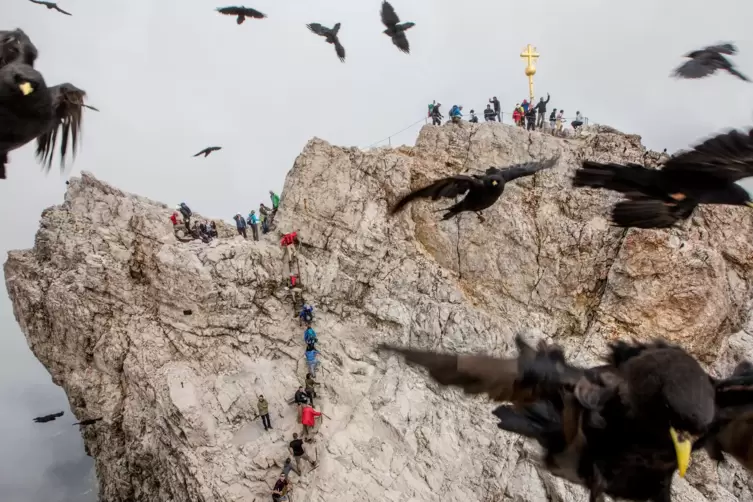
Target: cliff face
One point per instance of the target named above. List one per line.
(101, 300)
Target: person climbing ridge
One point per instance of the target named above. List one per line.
(263, 407)
(309, 336)
(275, 203)
(312, 359)
(310, 391)
(280, 489)
(186, 212)
(296, 448)
(307, 314)
(308, 419)
(300, 399)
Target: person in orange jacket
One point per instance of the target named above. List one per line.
(308, 419)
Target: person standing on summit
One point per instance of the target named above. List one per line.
(541, 109)
(240, 224)
(253, 220)
(275, 202)
(494, 101)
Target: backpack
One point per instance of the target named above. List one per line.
(185, 210)
(453, 110)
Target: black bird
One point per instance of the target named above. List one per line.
(241, 12)
(620, 429)
(483, 190)
(51, 5)
(16, 46)
(89, 421)
(707, 174)
(208, 150)
(330, 36)
(395, 30)
(705, 62)
(49, 418)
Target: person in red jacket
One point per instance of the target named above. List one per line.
(308, 419)
(174, 218)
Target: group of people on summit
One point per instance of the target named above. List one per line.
(524, 115)
(267, 217)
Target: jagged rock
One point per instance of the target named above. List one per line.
(101, 300)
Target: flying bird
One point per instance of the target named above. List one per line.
(241, 12)
(208, 150)
(705, 62)
(49, 418)
(707, 174)
(330, 35)
(89, 421)
(395, 30)
(51, 5)
(620, 429)
(16, 46)
(482, 190)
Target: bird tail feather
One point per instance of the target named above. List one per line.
(644, 213)
(619, 178)
(738, 74)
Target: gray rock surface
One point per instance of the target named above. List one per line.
(101, 298)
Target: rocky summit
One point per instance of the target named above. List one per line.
(171, 342)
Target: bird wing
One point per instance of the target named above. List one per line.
(318, 29)
(389, 16)
(336, 29)
(67, 102)
(231, 11)
(727, 48)
(202, 152)
(340, 50)
(694, 68)
(62, 11)
(38, 2)
(248, 12)
(58, 414)
(446, 187)
(401, 42)
(728, 156)
(527, 169)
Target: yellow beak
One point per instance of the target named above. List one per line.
(683, 448)
(494, 182)
(26, 88)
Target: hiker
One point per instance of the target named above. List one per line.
(431, 108)
(541, 110)
(281, 488)
(212, 229)
(552, 118)
(296, 448)
(287, 467)
(474, 118)
(525, 105)
(531, 118)
(203, 232)
(275, 202)
(489, 114)
(311, 360)
(516, 115)
(308, 419)
(174, 219)
(307, 314)
(497, 108)
(186, 212)
(456, 114)
(288, 241)
(436, 115)
(309, 335)
(310, 391)
(560, 121)
(579, 121)
(263, 407)
(253, 221)
(300, 399)
(264, 212)
(240, 224)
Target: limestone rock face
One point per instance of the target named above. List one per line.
(101, 299)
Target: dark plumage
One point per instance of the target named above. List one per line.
(395, 30)
(208, 150)
(241, 12)
(49, 418)
(705, 62)
(707, 174)
(89, 421)
(483, 190)
(330, 35)
(51, 5)
(16, 46)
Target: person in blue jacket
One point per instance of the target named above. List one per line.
(312, 360)
(253, 220)
(456, 113)
(240, 224)
(307, 314)
(309, 336)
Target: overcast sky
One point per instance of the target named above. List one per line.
(172, 76)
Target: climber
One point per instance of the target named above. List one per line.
(212, 229)
(263, 407)
(525, 104)
(296, 448)
(281, 488)
(240, 224)
(474, 118)
(497, 108)
(579, 122)
(541, 110)
(531, 118)
(287, 467)
(456, 114)
(516, 116)
(186, 212)
(309, 335)
(264, 212)
(436, 115)
(307, 314)
(288, 241)
(300, 399)
(174, 218)
(253, 221)
(560, 122)
(308, 419)
(275, 202)
(431, 108)
(552, 118)
(489, 114)
(310, 391)
(312, 360)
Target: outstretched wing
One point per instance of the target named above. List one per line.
(340, 50)
(206, 150)
(446, 187)
(67, 102)
(727, 48)
(695, 68)
(62, 11)
(248, 12)
(728, 156)
(318, 29)
(231, 11)
(401, 42)
(527, 169)
(389, 16)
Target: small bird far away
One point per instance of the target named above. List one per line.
(51, 5)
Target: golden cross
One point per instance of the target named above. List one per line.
(530, 54)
